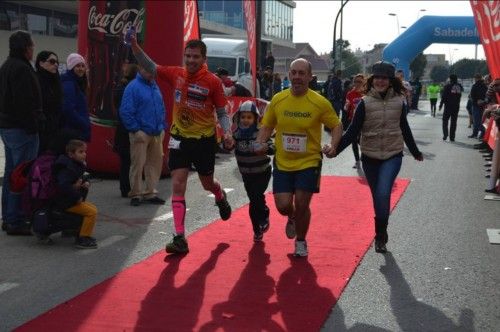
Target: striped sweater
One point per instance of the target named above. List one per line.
(248, 161)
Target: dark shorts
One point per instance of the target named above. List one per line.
(287, 182)
(198, 152)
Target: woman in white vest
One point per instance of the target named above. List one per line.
(380, 118)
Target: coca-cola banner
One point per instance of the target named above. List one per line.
(250, 20)
(487, 16)
(191, 21)
(102, 26)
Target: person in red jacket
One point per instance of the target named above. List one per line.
(353, 98)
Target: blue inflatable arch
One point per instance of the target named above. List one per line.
(426, 31)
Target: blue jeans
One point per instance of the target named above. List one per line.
(381, 175)
(19, 147)
(477, 115)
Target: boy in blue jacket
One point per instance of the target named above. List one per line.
(143, 114)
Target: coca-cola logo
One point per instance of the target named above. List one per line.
(116, 23)
(488, 15)
(189, 19)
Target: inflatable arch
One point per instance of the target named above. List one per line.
(426, 31)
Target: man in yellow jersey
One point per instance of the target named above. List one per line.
(297, 115)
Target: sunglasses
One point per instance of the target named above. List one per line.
(381, 77)
(52, 61)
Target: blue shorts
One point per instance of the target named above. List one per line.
(287, 182)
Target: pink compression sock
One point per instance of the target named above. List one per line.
(218, 192)
(179, 211)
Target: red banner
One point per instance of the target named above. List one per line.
(191, 21)
(250, 19)
(487, 16)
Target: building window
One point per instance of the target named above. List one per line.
(37, 21)
(9, 16)
(65, 25)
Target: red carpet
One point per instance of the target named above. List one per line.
(226, 283)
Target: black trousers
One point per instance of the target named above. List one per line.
(433, 106)
(255, 186)
(124, 172)
(450, 114)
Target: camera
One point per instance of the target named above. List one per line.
(86, 177)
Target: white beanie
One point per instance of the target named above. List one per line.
(73, 60)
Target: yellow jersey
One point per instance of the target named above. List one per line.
(297, 121)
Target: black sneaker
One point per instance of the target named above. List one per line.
(86, 242)
(136, 201)
(258, 236)
(154, 200)
(264, 227)
(380, 247)
(178, 245)
(224, 207)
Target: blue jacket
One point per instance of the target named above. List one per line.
(66, 172)
(75, 115)
(142, 107)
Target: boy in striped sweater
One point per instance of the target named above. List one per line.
(255, 168)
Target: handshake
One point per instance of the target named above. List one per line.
(329, 151)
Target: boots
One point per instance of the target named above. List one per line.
(381, 236)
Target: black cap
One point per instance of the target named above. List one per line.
(382, 68)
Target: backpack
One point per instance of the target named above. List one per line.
(41, 187)
(19, 176)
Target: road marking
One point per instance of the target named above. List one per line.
(493, 235)
(227, 190)
(5, 286)
(492, 197)
(166, 216)
(104, 243)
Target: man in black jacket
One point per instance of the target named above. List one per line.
(452, 92)
(478, 97)
(20, 114)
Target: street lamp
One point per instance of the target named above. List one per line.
(397, 19)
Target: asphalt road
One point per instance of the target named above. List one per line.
(441, 274)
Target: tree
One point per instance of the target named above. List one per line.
(467, 68)
(350, 64)
(417, 66)
(439, 73)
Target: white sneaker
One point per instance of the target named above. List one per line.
(290, 229)
(300, 249)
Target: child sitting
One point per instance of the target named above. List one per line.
(255, 168)
(72, 190)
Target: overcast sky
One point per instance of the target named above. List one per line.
(368, 22)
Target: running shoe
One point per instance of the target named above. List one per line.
(178, 245)
(300, 249)
(224, 207)
(380, 246)
(86, 242)
(257, 237)
(264, 227)
(290, 229)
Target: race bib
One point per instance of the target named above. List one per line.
(174, 143)
(294, 142)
